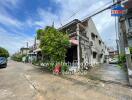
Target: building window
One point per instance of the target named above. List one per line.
(105, 47)
(130, 22)
(94, 55)
(84, 33)
(101, 55)
(93, 36)
(99, 42)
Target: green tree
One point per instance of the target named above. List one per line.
(54, 44)
(4, 52)
(39, 33)
(122, 58)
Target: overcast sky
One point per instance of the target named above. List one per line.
(19, 19)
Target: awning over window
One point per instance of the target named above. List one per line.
(37, 50)
(32, 53)
(73, 41)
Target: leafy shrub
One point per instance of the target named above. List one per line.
(122, 58)
(17, 57)
(34, 62)
(64, 68)
(51, 66)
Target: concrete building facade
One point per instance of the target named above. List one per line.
(99, 50)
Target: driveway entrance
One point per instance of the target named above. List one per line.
(109, 73)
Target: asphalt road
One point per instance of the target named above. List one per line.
(24, 82)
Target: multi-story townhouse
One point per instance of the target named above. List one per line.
(87, 45)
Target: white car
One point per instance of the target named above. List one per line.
(113, 61)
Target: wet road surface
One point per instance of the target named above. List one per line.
(110, 73)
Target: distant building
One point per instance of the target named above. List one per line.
(24, 51)
(35, 52)
(112, 53)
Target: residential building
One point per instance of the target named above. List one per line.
(90, 48)
(87, 46)
(35, 52)
(24, 51)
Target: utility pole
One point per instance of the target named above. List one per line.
(116, 30)
(35, 44)
(126, 46)
(123, 26)
(27, 47)
(78, 46)
(27, 44)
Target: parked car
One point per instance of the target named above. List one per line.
(3, 62)
(113, 61)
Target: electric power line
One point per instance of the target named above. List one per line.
(100, 11)
(109, 7)
(77, 11)
(97, 10)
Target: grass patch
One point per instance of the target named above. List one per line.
(92, 77)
